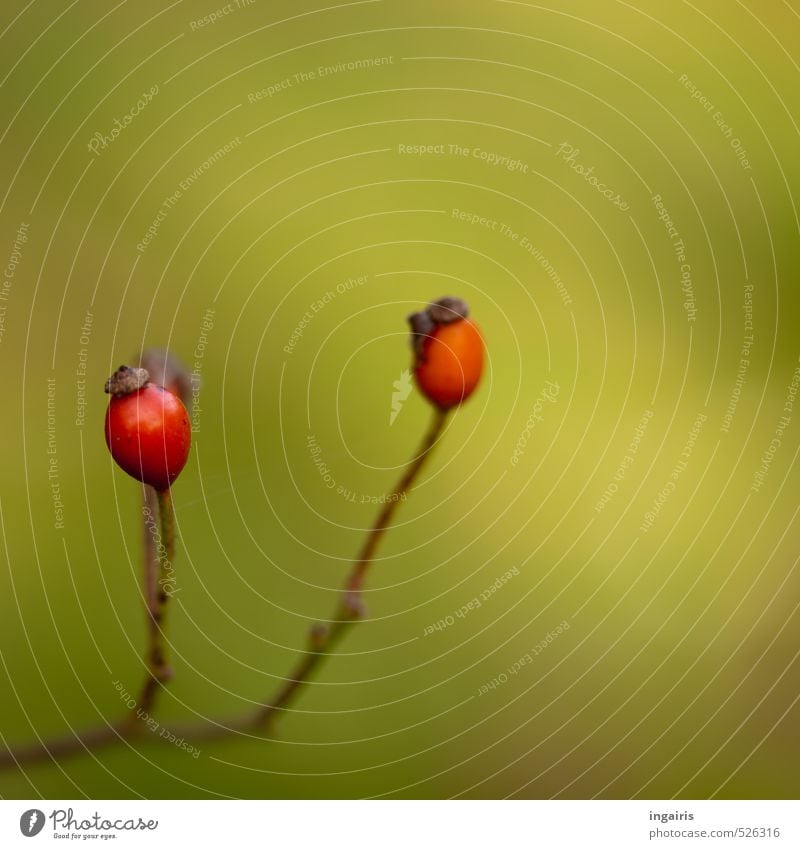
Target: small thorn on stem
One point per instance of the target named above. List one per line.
(164, 674)
(318, 637)
(353, 605)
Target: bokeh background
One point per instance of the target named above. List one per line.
(637, 516)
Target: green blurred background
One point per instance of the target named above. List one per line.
(678, 674)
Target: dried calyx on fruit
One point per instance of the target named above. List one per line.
(448, 352)
(126, 380)
(147, 428)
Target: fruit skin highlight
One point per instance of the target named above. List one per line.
(147, 428)
(448, 352)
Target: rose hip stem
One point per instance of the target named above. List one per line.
(170, 373)
(355, 584)
(448, 361)
(158, 669)
(165, 370)
(322, 637)
(141, 418)
(461, 369)
(158, 672)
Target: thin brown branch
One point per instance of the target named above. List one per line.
(350, 608)
(160, 578)
(165, 369)
(322, 638)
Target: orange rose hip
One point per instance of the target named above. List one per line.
(448, 352)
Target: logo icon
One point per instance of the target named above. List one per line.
(402, 387)
(31, 822)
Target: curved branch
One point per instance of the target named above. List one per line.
(321, 639)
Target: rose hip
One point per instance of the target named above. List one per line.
(448, 352)
(147, 428)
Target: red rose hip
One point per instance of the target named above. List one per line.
(448, 351)
(147, 428)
